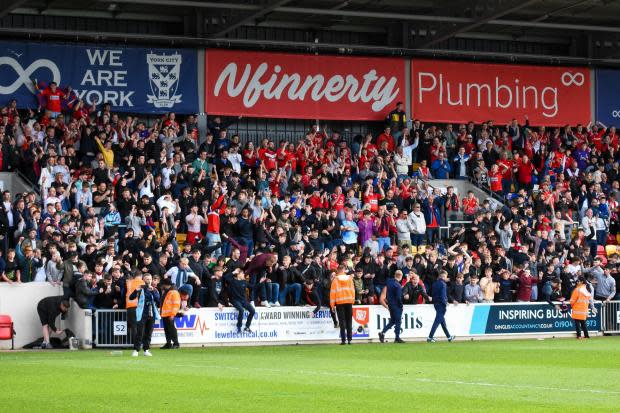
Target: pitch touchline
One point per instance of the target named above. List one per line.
(417, 379)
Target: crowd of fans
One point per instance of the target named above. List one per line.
(117, 197)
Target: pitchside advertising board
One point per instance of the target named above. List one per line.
(298, 324)
(131, 79)
(608, 97)
(278, 85)
(460, 92)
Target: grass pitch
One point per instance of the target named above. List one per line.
(554, 375)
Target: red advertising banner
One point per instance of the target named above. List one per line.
(278, 85)
(459, 92)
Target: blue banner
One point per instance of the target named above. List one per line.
(523, 318)
(136, 80)
(608, 96)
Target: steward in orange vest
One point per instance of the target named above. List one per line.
(342, 296)
(170, 306)
(580, 301)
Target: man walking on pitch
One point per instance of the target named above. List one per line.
(440, 302)
(392, 299)
(146, 315)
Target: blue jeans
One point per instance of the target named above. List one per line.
(271, 292)
(294, 287)
(383, 242)
(241, 306)
(417, 239)
(440, 319)
(248, 242)
(213, 239)
(396, 315)
(378, 288)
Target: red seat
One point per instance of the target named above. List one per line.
(6, 329)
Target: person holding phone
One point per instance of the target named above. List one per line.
(146, 314)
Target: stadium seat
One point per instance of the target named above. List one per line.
(600, 250)
(6, 329)
(421, 249)
(611, 249)
(181, 239)
(414, 250)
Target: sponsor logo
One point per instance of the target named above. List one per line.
(267, 82)
(24, 76)
(187, 322)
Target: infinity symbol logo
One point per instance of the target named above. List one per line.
(23, 75)
(569, 78)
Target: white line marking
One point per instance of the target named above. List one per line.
(407, 377)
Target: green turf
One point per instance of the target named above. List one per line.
(559, 375)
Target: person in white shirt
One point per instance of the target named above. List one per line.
(180, 276)
(166, 201)
(418, 225)
(235, 158)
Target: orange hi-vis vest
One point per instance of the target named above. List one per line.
(132, 286)
(579, 303)
(171, 305)
(342, 291)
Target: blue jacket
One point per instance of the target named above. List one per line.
(394, 293)
(441, 169)
(429, 209)
(440, 293)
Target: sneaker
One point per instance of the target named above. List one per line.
(349, 342)
(175, 347)
(399, 341)
(276, 304)
(166, 347)
(135, 354)
(431, 340)
(451, 339)
(266, 304)
(147, 353)
(382, 337)
(343, 343)
(247, 330)
(45, 345)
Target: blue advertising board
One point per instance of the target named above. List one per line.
(131, 79)
(519, 318)
(608, 96)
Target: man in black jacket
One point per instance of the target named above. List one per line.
(49, 309)
(237, 285)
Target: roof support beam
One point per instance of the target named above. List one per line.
(495, 14)
(8, 6)
(375, 15)
(250, 16)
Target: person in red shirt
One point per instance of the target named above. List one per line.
(495, 179)
(337, 200)
(525, 170)
(53, 99)
(268, 156)
(470, 205)
(250, 156)
(386, 136)
(371, 198)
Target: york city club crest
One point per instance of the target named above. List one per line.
(164, 73)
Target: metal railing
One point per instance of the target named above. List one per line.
(111, 329)
(610, 317)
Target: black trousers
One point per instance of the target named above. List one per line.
(581, 325)
(132, 323)
(143, 335)
(170, 330)
(345, 319)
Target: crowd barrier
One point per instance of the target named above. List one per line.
(210, 326)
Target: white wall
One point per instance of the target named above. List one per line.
(20, 302)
